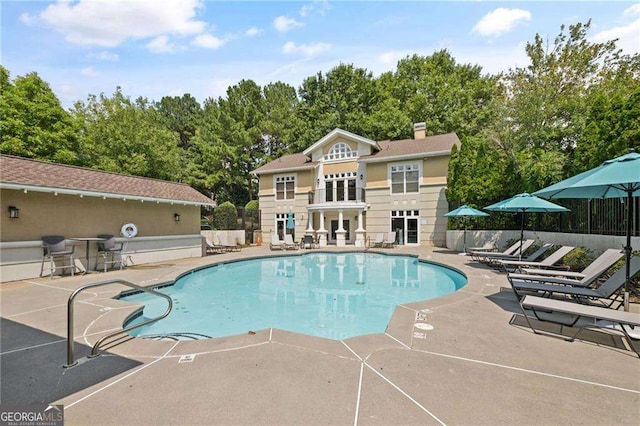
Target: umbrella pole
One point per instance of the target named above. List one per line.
(464, 238)
(627, 251)
(521, 234)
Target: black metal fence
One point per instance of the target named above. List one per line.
(249, 220)
(595, 216)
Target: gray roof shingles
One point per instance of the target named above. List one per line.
(24, 171)
(290, 161)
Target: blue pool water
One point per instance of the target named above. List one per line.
(331, 295)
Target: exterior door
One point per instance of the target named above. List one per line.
(334, 228)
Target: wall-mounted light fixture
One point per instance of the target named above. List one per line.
(361, 177)
(318, 181)
(176, 217)
(14, 212)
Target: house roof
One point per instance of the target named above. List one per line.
(336, 133)
(411, 148)
(388, 151)
(288, 162)
(33, 175)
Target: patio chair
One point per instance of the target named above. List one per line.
(603, 293)
(569, 313)
(276, 243)
(108, 253)
(496, 262)
(213, 248)
(390, 241)
(308, 242)
(598, 266)
(547, 263)
(54, 247)
(288, 242)
(581, 279)
(493, 257)
(480, 254)
(379, 241)
(226, 244)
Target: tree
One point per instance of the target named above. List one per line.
(181, 115)
(448, 96)
(225, 216)
(34, 124)
(209, 156)
(545, 106)
(344, 98)
(123, 136)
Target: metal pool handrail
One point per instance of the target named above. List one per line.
(96, 346)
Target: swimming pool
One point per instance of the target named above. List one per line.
(331, 295)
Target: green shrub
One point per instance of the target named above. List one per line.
(225, 216)
(578, 258)
(251, 208)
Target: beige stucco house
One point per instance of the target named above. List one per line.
(345, 189)
(40, 198)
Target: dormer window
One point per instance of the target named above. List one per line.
(340, 151)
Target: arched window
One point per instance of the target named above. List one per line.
(340, 150)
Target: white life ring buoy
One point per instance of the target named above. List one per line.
(129, 230)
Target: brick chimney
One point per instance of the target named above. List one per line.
(420, 130)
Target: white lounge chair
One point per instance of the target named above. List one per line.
(379, 240)
(276, 243)
(288, 242)
(390, 241)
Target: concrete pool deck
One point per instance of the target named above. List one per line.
(479, 364)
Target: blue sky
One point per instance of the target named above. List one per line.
(155, 48)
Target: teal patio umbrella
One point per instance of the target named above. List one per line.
(617, 178)
(291, 224)
(465, 211)
(525, 203)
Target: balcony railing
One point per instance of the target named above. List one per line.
(337, 195)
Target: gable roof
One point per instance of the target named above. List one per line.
(335, 133)
(288, 162)
(33, 175)
(413, 148)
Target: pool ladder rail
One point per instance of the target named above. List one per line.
(96, 347)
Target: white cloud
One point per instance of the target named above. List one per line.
(105, 56)
(283, 24)
(305, 9)
(161, 44)
(501, 21)
(208, 41)
(253, 31)
(306, 49)
(26, 19)
(628, 34)
(89, 72)
(109, 23)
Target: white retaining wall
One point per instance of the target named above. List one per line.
(597, 243)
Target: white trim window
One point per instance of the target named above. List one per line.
(285, 187)
(405, 178)
(340, 151)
